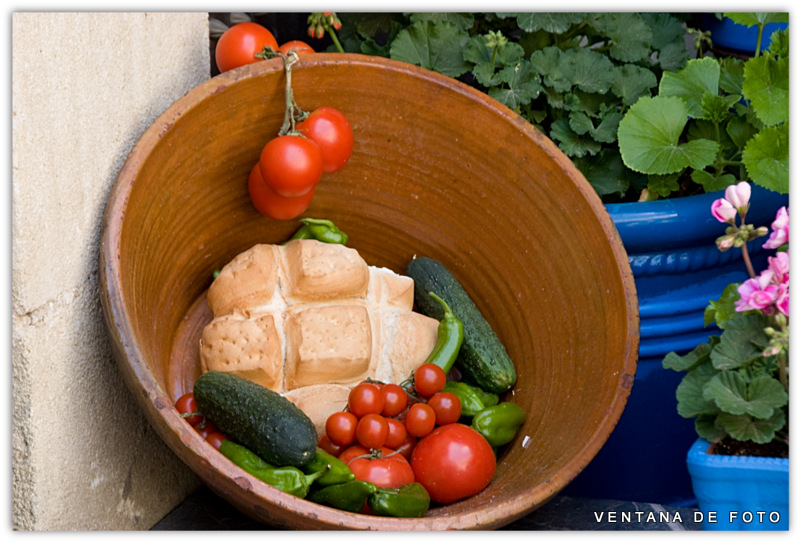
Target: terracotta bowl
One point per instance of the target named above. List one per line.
(438, 169)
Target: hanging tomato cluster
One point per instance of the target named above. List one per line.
(281, 184)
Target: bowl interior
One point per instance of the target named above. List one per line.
(439, 170)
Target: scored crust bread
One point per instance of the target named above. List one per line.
(311, 320)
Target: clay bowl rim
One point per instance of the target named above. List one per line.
(213, 468)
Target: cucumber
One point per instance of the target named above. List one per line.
(258, 418)
(482, 360)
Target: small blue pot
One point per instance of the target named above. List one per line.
(677, 269)
(738, 493)
(737, 37)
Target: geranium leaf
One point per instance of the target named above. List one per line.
(547, 63)
(740, 131)
(665, 29)
(766, 85)
(588, 70)
(629, 34)
(743, 427)
(731, 75)
(606, 172)
(663, 185)
(632, 82)
(463, 21)
(649, 138)
(570, 142)
(736, 347)
(689, 361)
(700, 76)
(689, 392)
(707, 428)
(435, 46)
(766, 157)
(523, 85)
(731, 392)
(723, 309)
(553, 23)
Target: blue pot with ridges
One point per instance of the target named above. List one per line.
(678, 270)
(739, 493)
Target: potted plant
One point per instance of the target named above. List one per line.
(736, 385)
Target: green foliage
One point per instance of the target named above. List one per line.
(731, 388)
(716, 121)
(573, 75)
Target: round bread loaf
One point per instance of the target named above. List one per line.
(310, 320)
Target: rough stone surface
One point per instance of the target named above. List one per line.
(83, 455)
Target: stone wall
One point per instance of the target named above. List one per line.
(85, 86)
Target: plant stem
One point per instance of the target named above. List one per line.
(335, 39)
(293, 112)
(747, 262)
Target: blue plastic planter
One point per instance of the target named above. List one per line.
(737, 493)
(678, 270)
(737, 37)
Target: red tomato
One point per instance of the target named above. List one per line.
(386, 471)
(429, 379)
(215, 439)
(300, 47)
(396, 435)
(420, 420)
(270, 203)
(365, 398)
(372, 431)
(185, 405)
(341, 428)
(446, 406)
(453, 462)
(329, 129)
(239, 44)
(395, 400)
(291, 165)
(206, 428)
(326, 444)
(407, 447)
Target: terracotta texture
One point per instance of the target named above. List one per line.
(438, 169)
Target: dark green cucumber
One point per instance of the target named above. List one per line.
(482, 360)
(257, 418)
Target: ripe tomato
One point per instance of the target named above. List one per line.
(239, 44)
(407, 447)
(215, 439)
(372, 431)
(365, 398)
(385, 471)
(420, 420)
(300, 47)
(329, 129)
(186, 404)
(429, 379)
(341, 428)
(446, 406)
(326, 444)
(270, 203)
(396, 435)
(453, 462)
(206, 428)
(291, 165)
(395, 400)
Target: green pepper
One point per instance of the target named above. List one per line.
(335, 470)
(450, 335)
(289, 479)
(498, 424)
(321, 230)
(408, 501)
(473, 399)
(349, 496)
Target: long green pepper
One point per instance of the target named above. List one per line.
(499, 424)
(408, 501)
(472, 398)
(450, 335)
(289, 479)
(349, 496)
(335, 470)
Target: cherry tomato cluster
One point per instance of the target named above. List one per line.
(243, 42)
(186, 405)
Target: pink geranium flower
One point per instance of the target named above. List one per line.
(739, 196)
(723, 211)
(757, 293)
(780, 229)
